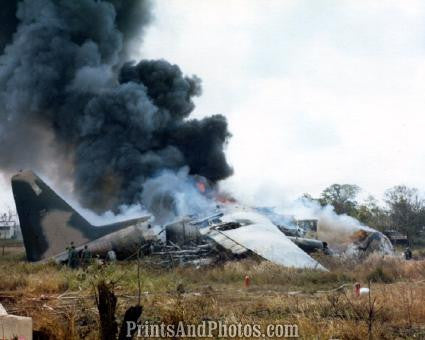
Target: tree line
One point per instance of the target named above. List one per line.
(403, 208)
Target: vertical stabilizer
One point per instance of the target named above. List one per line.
(47, 222)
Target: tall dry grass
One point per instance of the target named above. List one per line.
(61, 301)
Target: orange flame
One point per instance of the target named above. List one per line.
(201, 187)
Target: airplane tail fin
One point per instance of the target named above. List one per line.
(48, 223)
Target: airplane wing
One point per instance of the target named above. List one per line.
(252, 231)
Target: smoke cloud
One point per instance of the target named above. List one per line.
(341, 232)
(171, 194)
(9, 22)
(74, 107)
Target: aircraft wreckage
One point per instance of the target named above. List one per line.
(49, 224)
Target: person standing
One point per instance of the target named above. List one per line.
(408, 254)
(86, 256)
(72, 256)
(69, 250)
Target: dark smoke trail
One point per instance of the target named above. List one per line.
(68, 96)
(8, 21)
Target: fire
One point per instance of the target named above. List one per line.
(201, 187)
(359, 235)
(225, 198)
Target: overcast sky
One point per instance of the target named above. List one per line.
(315, 92)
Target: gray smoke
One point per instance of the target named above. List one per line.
(171, 194)
(72, 104)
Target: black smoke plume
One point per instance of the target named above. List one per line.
(71, 103)
(8, 21)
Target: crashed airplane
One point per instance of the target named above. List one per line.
(49, 224)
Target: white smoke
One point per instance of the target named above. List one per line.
(125, 212)
(172, 194)
(167, 196)
(337, 230)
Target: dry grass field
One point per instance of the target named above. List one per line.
(62, 304)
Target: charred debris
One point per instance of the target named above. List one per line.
(191, 241)
(216, 238)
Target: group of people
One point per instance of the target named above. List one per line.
(76, 258)
(84, 258)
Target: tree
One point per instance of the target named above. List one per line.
(372, 214)
(406, 209)
(342, 197)
(306, 197)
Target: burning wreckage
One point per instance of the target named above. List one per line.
(49, 224)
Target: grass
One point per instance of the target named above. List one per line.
(62, 305)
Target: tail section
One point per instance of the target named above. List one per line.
(47, 222)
